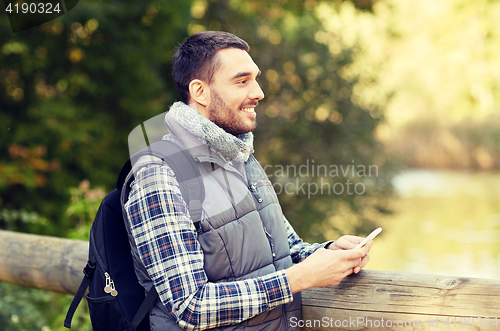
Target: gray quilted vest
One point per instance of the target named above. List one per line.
(243, 235)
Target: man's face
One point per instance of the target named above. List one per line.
(235, 92)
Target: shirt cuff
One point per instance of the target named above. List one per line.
(277, 289)
(326, 244)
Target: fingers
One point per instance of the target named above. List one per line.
(358, 253)
(347, 260)
(362, 263)
(347, 242)
(365, 260)
(354, 263)
(367, 247)
(359, 260)
(348, 272)
(354, 240)
(340, 260)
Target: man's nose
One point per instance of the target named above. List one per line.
(256, 93)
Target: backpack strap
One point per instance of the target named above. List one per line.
(184, 167)
(88, 271)
(145, 307)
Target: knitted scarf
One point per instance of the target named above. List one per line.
(229, 146)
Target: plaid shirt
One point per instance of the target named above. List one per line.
(166, 240)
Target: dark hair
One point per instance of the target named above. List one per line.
(195, 58)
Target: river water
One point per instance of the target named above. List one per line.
(445, 223)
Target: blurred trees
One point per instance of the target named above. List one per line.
(443, 66)
(75, 87)
(446, 54)
(71, 91)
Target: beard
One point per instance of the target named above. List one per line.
(231, 121)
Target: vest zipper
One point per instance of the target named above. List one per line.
(270, 241)
(253, 188)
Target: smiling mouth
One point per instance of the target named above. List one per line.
(249, 110)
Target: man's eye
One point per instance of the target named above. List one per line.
(243, 81)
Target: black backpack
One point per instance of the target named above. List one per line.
(116, 299)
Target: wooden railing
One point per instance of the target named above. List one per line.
(370, 300)
(48, 263)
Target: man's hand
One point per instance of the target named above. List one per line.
(327, 267)
(349, 242)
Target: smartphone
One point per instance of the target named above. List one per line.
(370, 236)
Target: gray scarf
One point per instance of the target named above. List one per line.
(231, 147)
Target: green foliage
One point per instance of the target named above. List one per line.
(56, 316)
(442, 58)
(24, 309)
(29, 309)
(83, 208)
(72, 90)
(21, 309)
(442, 64)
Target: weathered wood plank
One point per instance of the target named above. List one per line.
(411, 293)
(49, 263)
(353, 320)
(403, 296)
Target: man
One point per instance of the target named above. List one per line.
(238, 271)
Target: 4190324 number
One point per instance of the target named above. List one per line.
(33, 8)
(484, 322)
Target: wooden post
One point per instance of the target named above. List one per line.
(48, 263)
(370, 300)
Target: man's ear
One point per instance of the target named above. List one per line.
(199, 92)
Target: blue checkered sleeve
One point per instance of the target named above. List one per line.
(299, 249)
(166, 241)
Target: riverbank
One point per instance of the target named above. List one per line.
(430, 143)
(445, 222)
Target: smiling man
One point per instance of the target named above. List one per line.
(244, 266)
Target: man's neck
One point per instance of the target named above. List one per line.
(202, 110)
